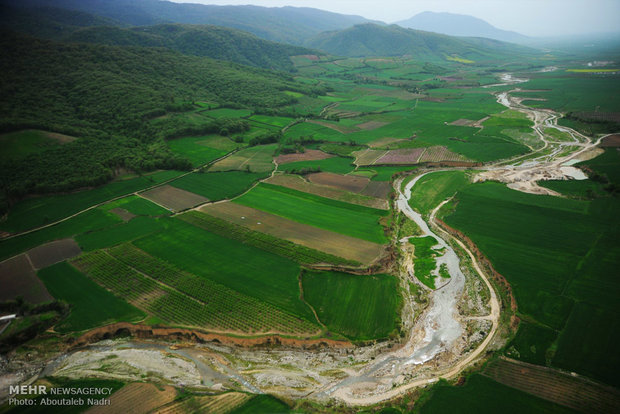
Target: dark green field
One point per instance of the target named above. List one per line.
(560, 257)
(262, 404)
(349, 219)
(336, 165)
(135, 228)
(91, 305)
(243, 268)
(483, 395)
(359, 307)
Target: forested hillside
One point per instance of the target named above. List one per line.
(375, 40)
(105, 95)
(282, 24)
(199, 40)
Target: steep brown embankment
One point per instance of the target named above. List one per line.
(143, 331)
(486, 263)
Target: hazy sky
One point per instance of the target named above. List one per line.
(530, 17)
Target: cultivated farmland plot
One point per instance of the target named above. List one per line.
(330, 242)
(173, 198)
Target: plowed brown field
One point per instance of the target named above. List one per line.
(137, 398)
(53, 252)
(350, 183)
(17, 278)
(173, 198)
(309, 155)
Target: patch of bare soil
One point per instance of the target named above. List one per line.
(610, 141)
(344, 182)
(343, 129)
(62, 138)
(173, 198)
(462, 122)
(313, 237)
(53, 252)
(382, 142)
(370, 125)
(123, 214)
(17, 278)
(180, 334)
(380, 189)
(308, 155)
(405, 156)
(137, 398)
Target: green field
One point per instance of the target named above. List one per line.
(202, 150)
(349, 219)
(560, 257)
(424, 262)
(38, 211)
(133, 229)
(264, 241)
(262, 404)
(89, 221)
(136, 205)
(359, 307)
(432, 189)
(218, 185)
(337, 165)
(246, 269)
(225, 309)
(483, 395)
(91, 305)
(20, 144)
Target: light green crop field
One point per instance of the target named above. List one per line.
(246, 269)
(38, 211)
(350, 219)
(432, 189)
(135, 228)
(359, 307)
(91, 305)
(218, 185)
(202, 150)
(279, 121)
(566, 92)
(424, 262)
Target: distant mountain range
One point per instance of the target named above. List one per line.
(282, 24)
(375, 40)
(460, 25)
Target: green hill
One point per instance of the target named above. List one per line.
(374, 40)
(282, 24)
(106, 96)
(198, 40)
